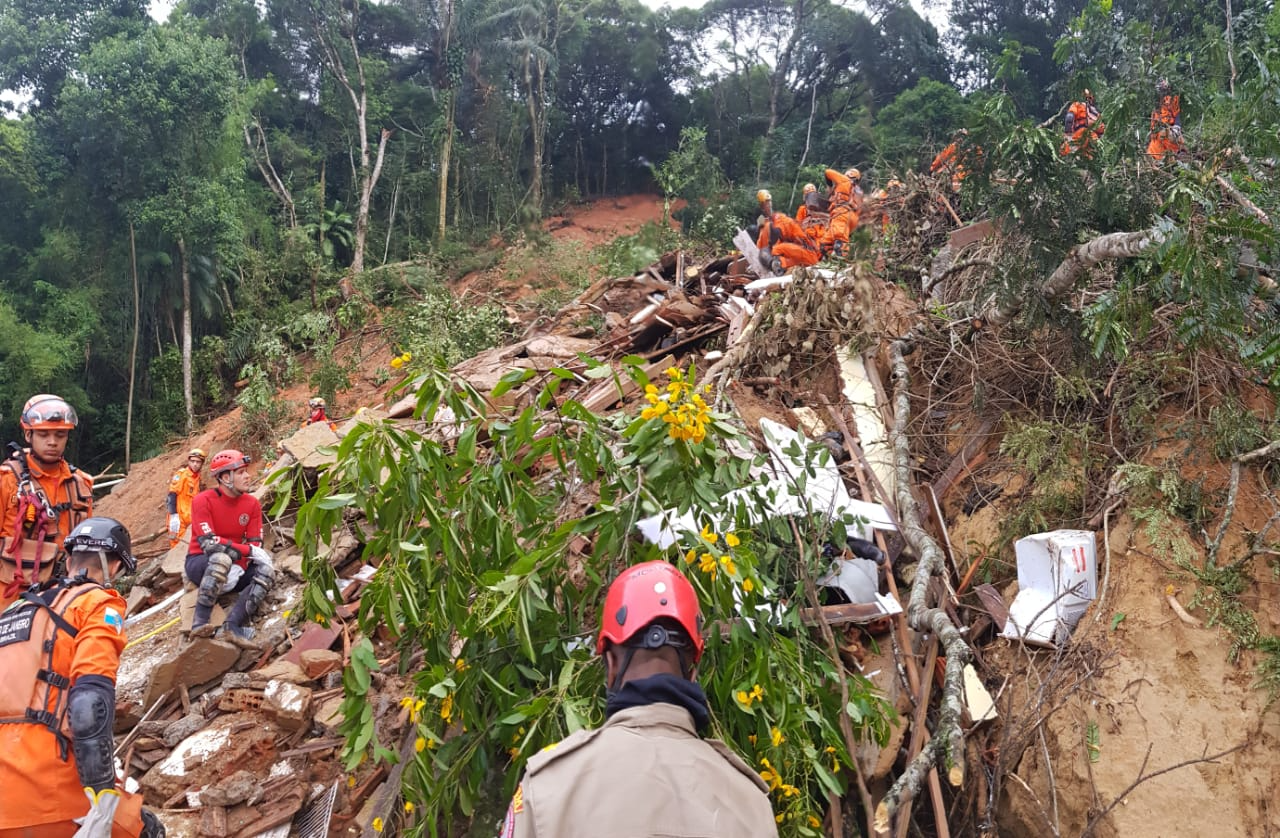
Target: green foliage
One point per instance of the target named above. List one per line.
(631, 254)
(486, 573)
(1060, 461)
(334, 233)
(440, 330)
(693, 174)
(262, 414)
(912, 127)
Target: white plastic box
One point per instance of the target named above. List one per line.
(1057, 579)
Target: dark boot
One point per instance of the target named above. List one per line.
(241, 636)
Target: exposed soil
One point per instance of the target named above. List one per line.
(598, 222)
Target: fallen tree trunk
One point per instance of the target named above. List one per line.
(948, 740)
(1079, 259)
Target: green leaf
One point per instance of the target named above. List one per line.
(1117, 619)
(336, 501)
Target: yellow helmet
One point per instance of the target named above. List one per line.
(809, 187)
(853, 174)
(764, 197)
(197, 452)
(316, 402)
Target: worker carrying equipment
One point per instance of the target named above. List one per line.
(647, 771)
(783, 243)
(183, 487)
(42, 497)
(59, 651)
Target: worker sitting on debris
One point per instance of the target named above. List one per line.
(226, 549)
(60, 649)
(845, 210)
(646, 771)
(949, 162)
(1082, 127)
(42, 497)
(182, 488)
(1166, 123)
(783, 243)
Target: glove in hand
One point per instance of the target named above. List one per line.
(101, 815)
(175, 524)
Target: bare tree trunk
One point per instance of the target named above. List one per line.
(133, 353)
(446, 154)
(262, 157)
(1231, 58)
(534, 105)
(368, 181)
(1079, 259)
(186, 334)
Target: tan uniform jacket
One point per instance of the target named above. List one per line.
(645, 773)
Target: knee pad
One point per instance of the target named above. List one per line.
(214, 579)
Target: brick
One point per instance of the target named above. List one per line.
(317, 663)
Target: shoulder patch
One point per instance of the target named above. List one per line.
(737, 762)
(558, 750)
(113, 618)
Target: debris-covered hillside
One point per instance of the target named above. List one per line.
(938, 422)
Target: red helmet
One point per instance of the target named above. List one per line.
(228, 459)
(48, 412)
(645, 593)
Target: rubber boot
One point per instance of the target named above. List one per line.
(241, 636)
(200, 622)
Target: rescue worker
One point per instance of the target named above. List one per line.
(226, 552)
(42, 497)
(782, 242)
(1082, 127)
(1166, 124)
(812, 215)
(182, 489)
(647, 771)
(948, 161)
(317, 407)
(60, 649)
(845, 212)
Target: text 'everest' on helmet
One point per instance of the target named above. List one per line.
(105, 534)
(48, 412)
(228, 459)
(644, 594)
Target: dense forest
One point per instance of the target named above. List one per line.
(192, 202)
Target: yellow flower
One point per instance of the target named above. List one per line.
(407, 357)
(743, 698)
(708, 565)
(748, 585)
(731, 540)
(351, 782)
(377, 824)
(651, 390)
(789, 790)
(461, 665)
(814, 822)
(446, 708)
(397, 363)
(674, 374)
(286, 613)
(690, 556)
(778, 817)
(420, 744)
(751, 737)
(408, 807)
(708, 535)
(776, 737)
(757, 693)
(514, 753)
(729, 567)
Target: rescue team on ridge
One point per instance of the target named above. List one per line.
(822, 223)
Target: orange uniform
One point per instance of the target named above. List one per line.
(845, 212)
(1083, 127)
(38, 509)
(813, 217)
(1166, 127)
(948, 160)
(40, 789)
(183, 486)
(782, 236)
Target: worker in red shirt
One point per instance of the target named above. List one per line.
(60, 649)
(42, 496)
(226, 552)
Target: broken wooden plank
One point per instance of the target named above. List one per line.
(993, 604)
(856, 612)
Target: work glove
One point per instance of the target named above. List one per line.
(1175, 133)
(175, 524)
(97, 822)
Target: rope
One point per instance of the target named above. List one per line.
(154, 632)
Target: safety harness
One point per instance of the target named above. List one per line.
(35, 518)
(31, 691)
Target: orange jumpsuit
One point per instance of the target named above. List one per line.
(1083, 127)
(1167, 115)
(787, 240)
(844, 214)
(184, 485)
(948, 160)
(40, 793)
(70, 497)
(814, 218)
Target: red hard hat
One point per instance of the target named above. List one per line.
(48, 412)
(645, 593)
(228, 459)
